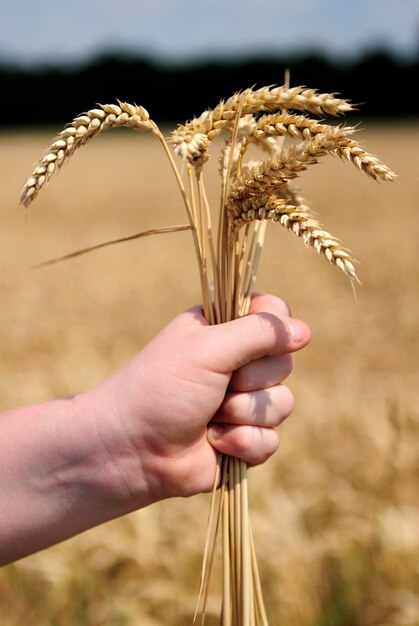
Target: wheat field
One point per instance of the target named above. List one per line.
(335, 513)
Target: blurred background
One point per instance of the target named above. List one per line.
(335, 513)
(180, 56)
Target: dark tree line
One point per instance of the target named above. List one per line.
(52, 95)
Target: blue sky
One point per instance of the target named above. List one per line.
(71, 30)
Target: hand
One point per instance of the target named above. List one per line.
(194, 390)
(149, 431)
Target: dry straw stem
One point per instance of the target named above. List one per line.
(252, 195)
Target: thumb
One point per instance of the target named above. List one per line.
(235, 343)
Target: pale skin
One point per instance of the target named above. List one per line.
(150, 431)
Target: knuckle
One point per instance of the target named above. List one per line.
(286, 308)
(287, 364)
(271, 444)
(264, 442)
(287, 403)
(282, 409)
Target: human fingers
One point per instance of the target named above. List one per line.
(252, 444)
(265, 407)
(264, 372)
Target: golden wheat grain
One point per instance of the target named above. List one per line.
(276, 209)
(364, 161)
(335, 140)
(260, 207)
(266, 176)
(322, 241)
(295, 126)
(83, 128)
(269, 176)
(194, 137)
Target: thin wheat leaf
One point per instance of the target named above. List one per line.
(145, 233)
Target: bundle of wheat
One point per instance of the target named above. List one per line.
(252, 194)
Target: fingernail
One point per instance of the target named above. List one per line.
(298, 330)
(215, 431)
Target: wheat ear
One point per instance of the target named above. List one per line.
(323, 138)
(267, 176)
(80, 131)
(191, 140)
(302, 224)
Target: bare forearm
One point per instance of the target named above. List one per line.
(57, 475)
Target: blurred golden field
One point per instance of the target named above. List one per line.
(336, 512)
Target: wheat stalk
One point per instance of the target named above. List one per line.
(252, 195)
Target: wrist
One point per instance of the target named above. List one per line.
(108, 467)
(137, 466)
